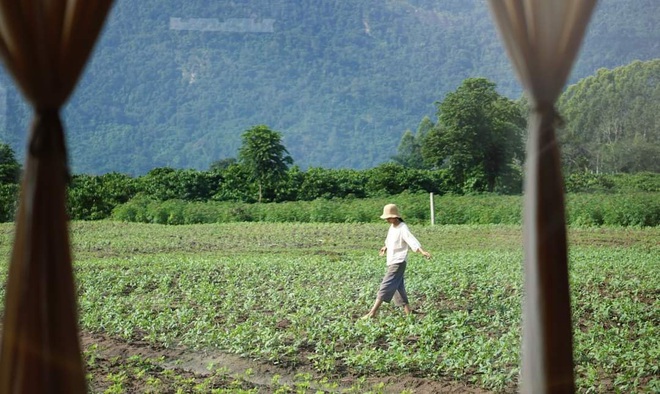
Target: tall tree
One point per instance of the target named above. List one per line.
(10, 172)
(265, 157)
(478, 139)
(409, 151)
(612, 120)
(10, 169)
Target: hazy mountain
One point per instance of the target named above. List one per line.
(176, 83)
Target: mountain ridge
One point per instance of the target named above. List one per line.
(341, 81)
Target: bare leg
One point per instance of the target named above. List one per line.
(401, 298)
(374, 309)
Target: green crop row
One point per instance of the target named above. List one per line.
(293, 295)
(638, 209)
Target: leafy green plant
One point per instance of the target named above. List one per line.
(292, 294)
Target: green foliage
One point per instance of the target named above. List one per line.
(169, 183)
(388, 178)
(478, 138)
(637, 209)
(10, 172)
(10, 169)
(235, 185)
(141, 374)
(265, 159)
(93, 197)
(317, 183)
(482, 209)
(585, 211)
(632, 210)
(393, 179)
(580, 182)
(8, 201)
(133, 210)
(170, 196)
(328, 183)
(643, 181)
(611, 120)
(584, 182)
(144, 209)
(261, 291)
(222, 164)
(409, 152)
(341, 79)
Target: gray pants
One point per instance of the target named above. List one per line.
(392, 285)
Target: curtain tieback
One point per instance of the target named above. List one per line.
(549, 113)
(47, 138)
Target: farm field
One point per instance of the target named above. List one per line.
(254, 307)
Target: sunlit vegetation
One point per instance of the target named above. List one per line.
(341, 80)
(292, 295)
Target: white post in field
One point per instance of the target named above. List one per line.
(432, 211)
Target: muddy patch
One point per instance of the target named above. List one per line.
(173, 367)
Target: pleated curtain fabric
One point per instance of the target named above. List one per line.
(45, 45)
(542, 38)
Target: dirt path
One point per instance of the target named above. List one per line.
(259, 374)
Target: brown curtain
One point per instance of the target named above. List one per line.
(45, 45)
(542, 38)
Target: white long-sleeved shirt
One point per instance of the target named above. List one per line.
(399, 239)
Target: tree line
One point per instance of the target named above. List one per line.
(475, 145)
(609, 125)
(358, 72)
(94, 197)
(611, 121)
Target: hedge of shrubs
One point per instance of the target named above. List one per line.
(612, 183)
(634, 209)
(8, 201)
(172, 196)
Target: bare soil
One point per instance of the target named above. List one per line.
(111, 353)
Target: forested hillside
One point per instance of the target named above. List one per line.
(609, 125)
(612, 121)
(176, 83)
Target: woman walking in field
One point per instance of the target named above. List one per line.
(399, 240)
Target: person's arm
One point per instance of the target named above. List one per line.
(423, 252)
(382, 251)
(414, 244)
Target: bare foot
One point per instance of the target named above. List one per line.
(368, 316)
